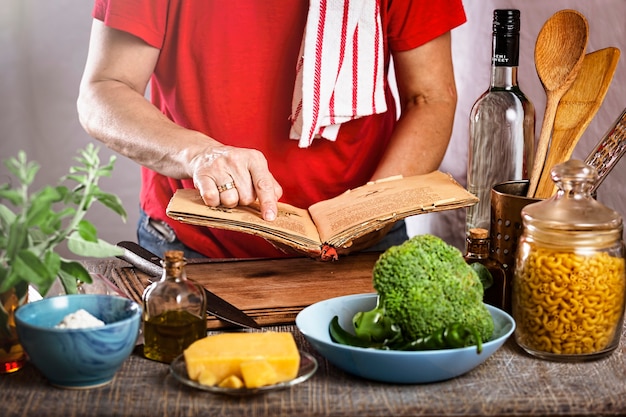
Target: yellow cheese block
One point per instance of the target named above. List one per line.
(266, 357)
(258, 373)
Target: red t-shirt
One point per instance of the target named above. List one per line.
(227, 69)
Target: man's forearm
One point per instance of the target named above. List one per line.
(130, 125)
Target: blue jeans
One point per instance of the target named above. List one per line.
(396, 235)
(158, 237)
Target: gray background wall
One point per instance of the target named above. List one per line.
(43, 45)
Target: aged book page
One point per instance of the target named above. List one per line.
(341, 218)
(292, 224)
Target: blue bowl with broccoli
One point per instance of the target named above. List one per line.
(393, 366)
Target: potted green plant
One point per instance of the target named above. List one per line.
(32, 226)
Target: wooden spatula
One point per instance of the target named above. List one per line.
(576, 110)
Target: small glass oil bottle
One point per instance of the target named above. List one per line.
(174, 311)
(478, 248)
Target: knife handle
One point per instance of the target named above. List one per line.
(141, 258)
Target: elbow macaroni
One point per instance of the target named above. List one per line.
(568, 303)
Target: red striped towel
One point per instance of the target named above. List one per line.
(340, 73)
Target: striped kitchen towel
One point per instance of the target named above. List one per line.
(340, 72)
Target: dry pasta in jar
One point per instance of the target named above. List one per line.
(568, 303)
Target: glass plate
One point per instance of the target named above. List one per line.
(308, 366)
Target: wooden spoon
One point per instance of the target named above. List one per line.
(559, 53)
(576, 110)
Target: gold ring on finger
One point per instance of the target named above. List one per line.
(226, 187)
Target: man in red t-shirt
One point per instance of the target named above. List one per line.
(222, 77)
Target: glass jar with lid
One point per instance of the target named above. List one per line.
(569, 282)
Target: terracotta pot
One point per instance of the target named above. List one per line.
(12, 356)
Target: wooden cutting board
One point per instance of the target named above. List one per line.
(271, 291)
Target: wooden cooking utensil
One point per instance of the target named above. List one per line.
(559, 53)
(576, 110)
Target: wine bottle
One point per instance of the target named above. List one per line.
(502, 123)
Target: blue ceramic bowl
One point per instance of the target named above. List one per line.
(79, 358)
(386, 365)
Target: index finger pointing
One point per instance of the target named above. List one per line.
(268, 192)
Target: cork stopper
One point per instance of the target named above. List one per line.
(478, 233)
(174, 256)
(173, 263)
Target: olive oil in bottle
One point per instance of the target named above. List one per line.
(174, 311)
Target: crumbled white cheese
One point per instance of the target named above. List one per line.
(81, 319)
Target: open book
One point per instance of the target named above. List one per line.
(334, 223)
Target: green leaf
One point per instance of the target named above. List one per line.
(80, 179)
(24, 171)
(4, 279)
(87, 231)
(77, 270)
(9, 280)
(58, 216)
(98, 249)
(29, 267)
(483, 273)
(37, 240)
(89, 156)
(50, 194)
(69, 282)
(71, 272)
(17, 238)
(52, 262)
(41, 205)
(64, 192)
(7, 217)
(113, 202)
(14, 196)
(52, 223)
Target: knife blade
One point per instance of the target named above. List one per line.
(150, 264)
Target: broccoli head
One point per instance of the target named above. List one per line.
(425, 285)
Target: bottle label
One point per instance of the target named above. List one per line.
(505, 51)
(501, 58)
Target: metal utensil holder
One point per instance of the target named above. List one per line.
(507, 201)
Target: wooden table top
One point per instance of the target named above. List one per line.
(510, 383)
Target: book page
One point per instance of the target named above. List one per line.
(386, 201)
(292, 223)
